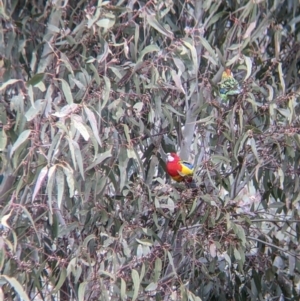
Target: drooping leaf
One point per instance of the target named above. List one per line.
(147, 49)
(70, 179)
(93, 123)
(80, 126)
(249, 66)
(67, 91)
(81, 290)
(16, 286)
(8, 83)
(136, 282)
(34, 110)
(3, 140)
(60, 185)
(100, 158)
(152, 21)
(43, 173)
(61, 280)
(50, 183)
(21, 139)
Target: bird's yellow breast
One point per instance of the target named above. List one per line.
(186, 171)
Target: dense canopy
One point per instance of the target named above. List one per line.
(94, 94)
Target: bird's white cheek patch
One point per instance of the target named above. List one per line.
(170, 158)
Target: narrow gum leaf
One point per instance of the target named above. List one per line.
(136, 283)
(93, 123)
(43, 173)
(21, 139)
(15, 284)
(8, 83)
(248, 65)
(152, 21)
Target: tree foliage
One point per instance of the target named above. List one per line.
(93, 95)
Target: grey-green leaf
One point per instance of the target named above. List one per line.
(21, 139)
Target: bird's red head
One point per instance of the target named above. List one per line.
(172, 157)
(228, 71)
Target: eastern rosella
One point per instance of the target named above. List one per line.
(179, 170)
(228, 85)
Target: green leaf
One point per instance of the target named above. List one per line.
(281, 77)
(81, 290)
(257, 280)
(88, 239)
(4, 219)
(99, 159)
(80, 127)
(194, 205)
(31, 221)
(145, 242)
(220, 159)
(43, 173)
(188, 43)
(239, 145)
(72, 151)
(34, 110)
(110, 275)
(127, 134)
(157, 269)
(70, 179)
(239, 231)
(147, 49)
(61, 281)
(21, 139)
(152, 21)
(227, 258)
(2, 254)
(170, 108)
(53, 28)
(138, 106)
(136, 283)
(82, 80)
(8, 83)
(16, 286)
(210, 50)
(237, 254)
(179, 64)
(177, 81)
(151, 287)
(78, 158)
(171, 262)
(277, 205)
(66, 62)
(105, 93)
(36, 79)
(254, 149)
(248, 62)
(123, 289)
(67, 110)
(106, 23)
(3, 140)
(67, 91)
(233, 60)
(95, 73)
(60, 185)
(93, 122)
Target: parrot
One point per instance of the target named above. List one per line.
(228, 85)
(179, 170)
